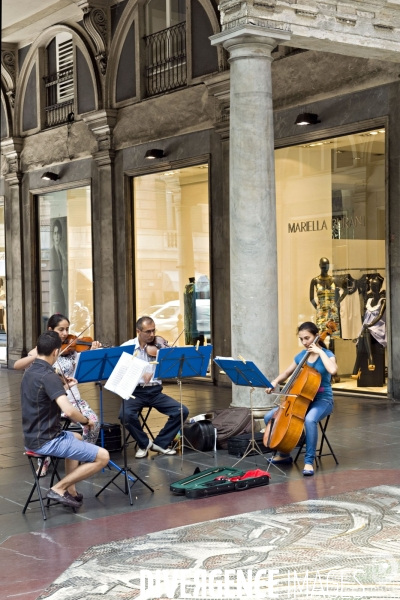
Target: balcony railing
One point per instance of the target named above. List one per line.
(166, 59)
(59, 97)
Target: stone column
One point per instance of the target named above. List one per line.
(11, 149)
(253, 252)
(101, 124)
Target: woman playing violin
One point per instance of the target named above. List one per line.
(322, 360)
(66, 363)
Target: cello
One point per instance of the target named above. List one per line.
(298, 392)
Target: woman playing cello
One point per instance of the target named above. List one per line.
(322, 360)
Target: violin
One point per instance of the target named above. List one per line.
(299, 392)
(74, 343)
(158, 343)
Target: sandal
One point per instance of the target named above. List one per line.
(45, 467)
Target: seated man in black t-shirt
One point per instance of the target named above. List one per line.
(43, 399)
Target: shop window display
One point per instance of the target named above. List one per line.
(331, 251)
(66, 257)
(172, 261)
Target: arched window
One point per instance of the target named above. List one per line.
(165, 45)
(59, 81)
(161, 14)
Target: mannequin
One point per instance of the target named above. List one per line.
(373, 331)
(349, 307)
(323, 286)
(363, 285)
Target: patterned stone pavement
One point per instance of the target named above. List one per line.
(341, 546)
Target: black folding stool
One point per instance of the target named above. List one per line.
(324, 438)
(36, 485)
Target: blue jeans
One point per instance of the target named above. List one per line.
(66, 445)
(153, 396)
(318, 410)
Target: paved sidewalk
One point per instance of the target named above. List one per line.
(365, 435)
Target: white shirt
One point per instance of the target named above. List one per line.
(142, 354)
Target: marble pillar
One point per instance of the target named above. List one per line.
(105, 270)
(14, 268)
(253, 251)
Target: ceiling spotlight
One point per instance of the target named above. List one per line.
(154, 153)
(307, 119)
(50, 176)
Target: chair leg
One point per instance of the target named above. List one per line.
(144, 422)
(36, 486)
(54, 463)
(324, 438)
(298, 452)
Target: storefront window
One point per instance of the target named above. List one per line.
(66, 257)
(3, 308)
(331, 251)
(172, 261)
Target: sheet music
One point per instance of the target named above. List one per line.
(126, 375)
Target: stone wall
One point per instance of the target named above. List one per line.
(311, 76)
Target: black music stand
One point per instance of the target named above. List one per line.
(179, 363)
(246, 373)
(96, 366)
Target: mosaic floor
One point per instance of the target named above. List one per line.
(344, 546)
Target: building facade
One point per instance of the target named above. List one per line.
(144, 172)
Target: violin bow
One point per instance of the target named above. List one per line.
(178, 337)
(61, 373)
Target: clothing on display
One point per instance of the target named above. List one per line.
(350, 310)
(363, 286)
(326, 306)
(378, 331)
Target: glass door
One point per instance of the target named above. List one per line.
(66, 257)
(172, 256)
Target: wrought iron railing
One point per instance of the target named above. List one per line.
(166, 59)
(59, 97)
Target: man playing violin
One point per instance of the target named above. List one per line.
(322, 360)
(43, 399)
(148, 394)
(65, 365)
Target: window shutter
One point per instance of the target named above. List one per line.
(65, 63)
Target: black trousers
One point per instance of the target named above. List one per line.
(152, 396)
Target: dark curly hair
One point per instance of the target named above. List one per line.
(312, 328)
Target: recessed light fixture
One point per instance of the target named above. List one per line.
(307, 119)
(154, 153)
(50, 176)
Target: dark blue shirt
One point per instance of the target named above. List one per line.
(41, 415)
(325, 389)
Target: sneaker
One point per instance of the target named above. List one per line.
(142, 453)
(156, 448)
